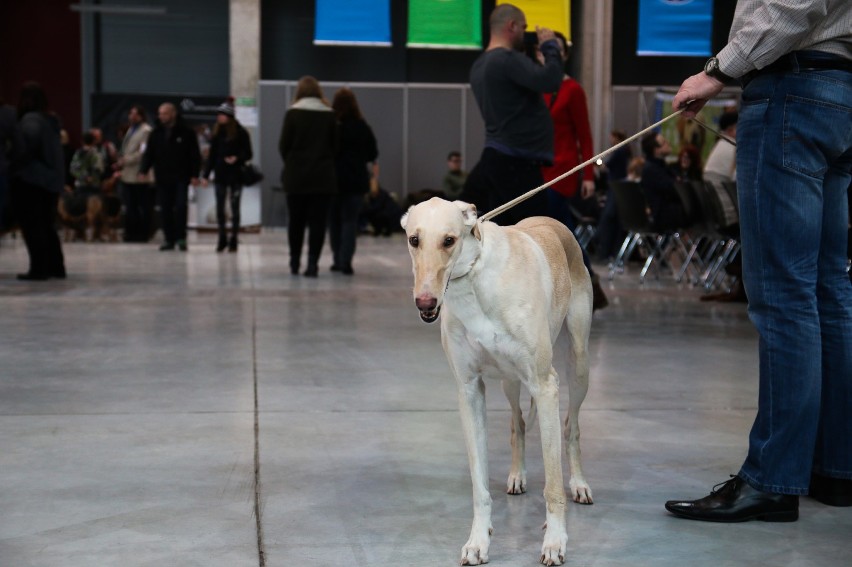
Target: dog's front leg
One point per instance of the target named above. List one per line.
(472, 409)
(546, 395)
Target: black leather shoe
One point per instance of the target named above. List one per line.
(32, 277)
(311, 272)
(831, 491)
(736, 501)
(167, 246)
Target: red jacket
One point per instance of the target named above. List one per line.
(572, 136)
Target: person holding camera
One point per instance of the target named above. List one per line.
(508, 88)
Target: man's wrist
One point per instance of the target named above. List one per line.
(713, 70)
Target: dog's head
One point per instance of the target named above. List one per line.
(443, 240)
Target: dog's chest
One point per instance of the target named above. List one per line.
(480, 329)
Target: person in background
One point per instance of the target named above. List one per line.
(357, 151)
(508, 86)
(230, 149)
(572, 140)
(172, 152)
(572, 146)
(615, 166)
(658, 184)
(308, 146)
(794, 166)
(722, 162)
(9, 146)
(688, 165)
(454, 179)
(87, 167)
(138, 197)
(107, 151)
(37, 180)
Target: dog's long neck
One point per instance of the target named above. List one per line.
(471, 251)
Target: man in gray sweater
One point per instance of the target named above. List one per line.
(508, 86)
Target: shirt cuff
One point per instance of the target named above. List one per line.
(732, 63)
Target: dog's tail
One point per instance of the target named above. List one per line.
(533, 413)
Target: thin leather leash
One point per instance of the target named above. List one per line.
(530, 193)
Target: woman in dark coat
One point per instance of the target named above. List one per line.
(308, 146)
(38, 178)
(357, 150)
(230, 149)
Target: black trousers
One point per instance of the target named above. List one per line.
(236, 190)
(499, 178)
(311, 212)
(138, 211)
(35, 208)
(173, 205)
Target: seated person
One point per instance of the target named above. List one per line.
(658, 184)
(87, 167)
(381, 211)
(455, 177)
(722, 162)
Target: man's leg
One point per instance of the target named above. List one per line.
(167, 197)
(788, 140)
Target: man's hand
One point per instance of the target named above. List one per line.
(204, 182)
(142, 177)
(544, 34)
(588, 189)
(695, 92)
(193, 181)
(231, 160)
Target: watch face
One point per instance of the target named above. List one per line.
(711, 66)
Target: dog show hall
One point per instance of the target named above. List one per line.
(441, 388)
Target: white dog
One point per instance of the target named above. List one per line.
(504, 293)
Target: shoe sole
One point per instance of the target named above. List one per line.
(788, 516)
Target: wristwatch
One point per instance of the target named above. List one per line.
(711, 68)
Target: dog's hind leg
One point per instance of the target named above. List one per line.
(578, 385)
(472, 410)
(545, 391)
(517, 483)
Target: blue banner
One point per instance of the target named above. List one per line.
(675, 27)
(352, 22)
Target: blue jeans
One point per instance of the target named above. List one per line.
(794, 157)
(343, 227)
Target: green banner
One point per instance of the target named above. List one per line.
(445, 24)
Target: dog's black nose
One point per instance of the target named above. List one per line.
(426, 303)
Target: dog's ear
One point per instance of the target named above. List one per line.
(404, 219)
(470, 217)
(468, 212)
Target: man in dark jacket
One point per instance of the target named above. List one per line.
(173, 153)
(658, 184)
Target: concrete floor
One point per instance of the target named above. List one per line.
(139, 397)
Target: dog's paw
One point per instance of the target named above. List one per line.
(517, 484)
(581, 492)
(554, 548)
(475, 551)
(474, 555)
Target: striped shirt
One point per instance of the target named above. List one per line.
(765, 30)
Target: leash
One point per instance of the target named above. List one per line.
(528, 194)
(720, 134)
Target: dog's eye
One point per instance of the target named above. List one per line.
(413, 241)
(449, 241)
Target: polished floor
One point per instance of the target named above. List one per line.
(153, 402)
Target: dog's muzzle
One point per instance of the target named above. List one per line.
(429, 309)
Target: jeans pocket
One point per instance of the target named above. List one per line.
(813, 134)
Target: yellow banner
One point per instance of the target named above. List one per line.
(553, 14)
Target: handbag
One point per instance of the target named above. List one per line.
(250, 175)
